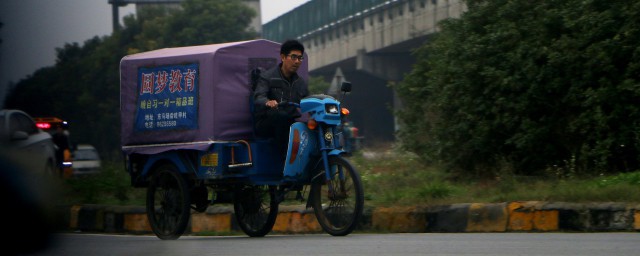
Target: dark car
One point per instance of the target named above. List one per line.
(25, 144)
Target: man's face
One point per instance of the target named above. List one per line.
(291, 62)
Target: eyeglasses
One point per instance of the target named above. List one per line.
(294, 57)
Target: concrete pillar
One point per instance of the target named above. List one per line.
(388, 66)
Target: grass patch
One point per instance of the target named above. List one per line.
(398, 178)
(112, 186)
(393, 178)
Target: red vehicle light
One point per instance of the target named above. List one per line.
(43, 125)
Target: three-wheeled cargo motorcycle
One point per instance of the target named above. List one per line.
(187, 136)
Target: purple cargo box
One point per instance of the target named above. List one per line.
(191, 97)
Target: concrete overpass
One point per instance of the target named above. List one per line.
(367, 42)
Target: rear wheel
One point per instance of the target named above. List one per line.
(338, 202)
(168, 203)
(256, 209)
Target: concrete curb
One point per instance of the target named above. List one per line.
(526, 216)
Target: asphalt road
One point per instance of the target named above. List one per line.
(494, 244)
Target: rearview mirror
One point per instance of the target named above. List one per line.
(346, 87)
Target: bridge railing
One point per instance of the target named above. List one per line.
(316, 14)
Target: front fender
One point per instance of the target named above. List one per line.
(336, 152)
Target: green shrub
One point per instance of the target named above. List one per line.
(111, 186)
(400, 178)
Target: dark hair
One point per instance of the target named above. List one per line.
(290, 45)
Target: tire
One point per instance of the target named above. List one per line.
(338, 212)
(168, 203)
(256, 209)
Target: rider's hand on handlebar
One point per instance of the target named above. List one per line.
(272, 104)
(275, 104)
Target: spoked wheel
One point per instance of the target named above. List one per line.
(338, 203)
(168, 203)
(256, 209)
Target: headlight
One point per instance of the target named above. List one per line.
(328, 136)
(332, 109)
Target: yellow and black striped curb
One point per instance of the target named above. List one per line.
(528, 216)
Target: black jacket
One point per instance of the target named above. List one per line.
(288, 91)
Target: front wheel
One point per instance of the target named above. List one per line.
(168, 203)
(338, 202)
(256, 209)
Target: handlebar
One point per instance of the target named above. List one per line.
(287, 103)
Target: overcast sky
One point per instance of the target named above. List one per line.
(33, 29)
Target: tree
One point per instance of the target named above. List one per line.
(83, 86)
(529, 85)
(317, 85)
(198, 22)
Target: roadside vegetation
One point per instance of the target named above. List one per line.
(528, 87)
(514, 100)
(112, 186)
(397, 178)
